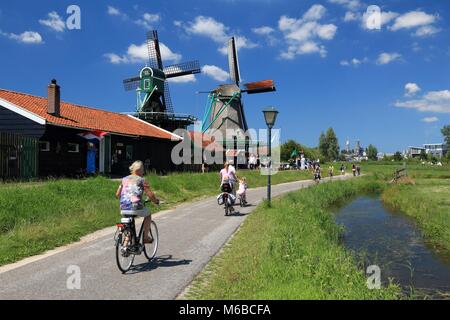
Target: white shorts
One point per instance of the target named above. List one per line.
(137, 213)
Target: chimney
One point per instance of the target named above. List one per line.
(54, 99)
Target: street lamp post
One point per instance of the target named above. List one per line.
(270, 116)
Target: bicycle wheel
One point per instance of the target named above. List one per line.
(124, 257)
(150, 249)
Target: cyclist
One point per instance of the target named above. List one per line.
(131, 192)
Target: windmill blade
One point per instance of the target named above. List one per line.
(233, 61)
(182, 69)
(260, 87)
(154, 51)
(132, 83)
(167, 100)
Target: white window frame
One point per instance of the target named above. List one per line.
(77, 147)
(47, 146)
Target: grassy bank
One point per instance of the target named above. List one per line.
(291, 251)
(38, 216)
(425, 196)
(428, 202)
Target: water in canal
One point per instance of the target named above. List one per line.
(393, 242)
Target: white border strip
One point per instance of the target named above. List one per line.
(156, 127)
(25, 113)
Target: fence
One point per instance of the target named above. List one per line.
(18, 157)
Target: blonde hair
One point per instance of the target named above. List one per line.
(137, 167)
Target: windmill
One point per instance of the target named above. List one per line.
(225, 109)
(153, 101)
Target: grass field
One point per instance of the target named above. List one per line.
(291, 251)
(38, 216)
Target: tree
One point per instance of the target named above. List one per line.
(323, 145)
(423, 155)
(372, 152)
(288, 148)
(398, 156)
(333, 145)
(446, 133)
(329, 145)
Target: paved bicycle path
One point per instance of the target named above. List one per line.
(190, 236)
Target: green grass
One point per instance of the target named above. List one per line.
(38, 216)
(291, 251)
(427, 200)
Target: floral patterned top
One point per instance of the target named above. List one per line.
(132, 193)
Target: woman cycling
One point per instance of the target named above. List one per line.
(131, 191)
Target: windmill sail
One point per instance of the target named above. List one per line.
(233, 61)
(154, 51)
(167, 100)
(132, 83)
(182, 69)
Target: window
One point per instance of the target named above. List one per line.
(73, 147)
(44, 146)
(147, 84)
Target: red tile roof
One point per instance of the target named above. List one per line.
(84, 117)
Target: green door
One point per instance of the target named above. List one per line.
(28, 158)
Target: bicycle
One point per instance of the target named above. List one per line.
(129, 245)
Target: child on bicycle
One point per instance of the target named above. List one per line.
(242, 192)
(131, 192)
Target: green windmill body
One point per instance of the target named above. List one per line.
(152, 84)
(153, 102)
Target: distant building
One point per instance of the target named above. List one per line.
(414, 152)
(437, 150)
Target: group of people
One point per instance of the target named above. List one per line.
(134, 187)
(229, 177)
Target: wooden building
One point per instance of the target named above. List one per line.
(75, 140)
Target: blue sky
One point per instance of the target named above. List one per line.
(389, 87)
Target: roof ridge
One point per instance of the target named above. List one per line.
(62, 101)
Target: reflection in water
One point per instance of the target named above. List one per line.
(393, 242)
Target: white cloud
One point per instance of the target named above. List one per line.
(27, 37)
(411, 89)
(148, 20)
(316, 12)
(208, 27)
(216, 31)
(353, 62)
(430, 119)
(113, 11)
(215, 72)
(327, 31)
(139, 54)
(349, 4)
(303, 35)
(413, 19)
(265, 30)
(184, 79)
(351, 16)
(426, 31)
(386, 17)
(116, 59)
(241, 43)
(386, 58)
(433, 101)
(54, 22)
